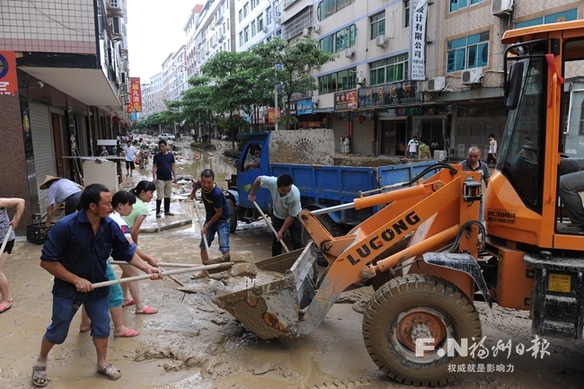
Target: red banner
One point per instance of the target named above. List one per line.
(135, 95)
(8, 80)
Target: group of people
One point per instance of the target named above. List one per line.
(99, 225)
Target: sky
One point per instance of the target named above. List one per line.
(154, 30)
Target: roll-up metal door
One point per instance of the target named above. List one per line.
(43, 148)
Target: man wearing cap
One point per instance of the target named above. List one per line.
(63, 191)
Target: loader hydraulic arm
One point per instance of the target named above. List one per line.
(427, 217)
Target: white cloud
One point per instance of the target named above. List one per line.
(155, 29)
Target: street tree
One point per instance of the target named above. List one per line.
(288, 63)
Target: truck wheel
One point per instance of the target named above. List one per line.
(414, 307)
(233, 219)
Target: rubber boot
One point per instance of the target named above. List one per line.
(158, 203)
(167, 208)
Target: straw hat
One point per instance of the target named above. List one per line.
(48, 181)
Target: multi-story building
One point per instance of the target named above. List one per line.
(404, 68)
(64, 84)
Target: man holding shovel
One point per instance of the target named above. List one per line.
(76, 254)
(287, 206)
(216, 220)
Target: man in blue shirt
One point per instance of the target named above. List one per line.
(287, 206)
(76, 253)
(216, 220)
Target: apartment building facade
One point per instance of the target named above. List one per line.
(69, 59)
(404, 68)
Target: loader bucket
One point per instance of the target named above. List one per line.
(271, 310)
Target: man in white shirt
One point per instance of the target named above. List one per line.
(62, 191)
(130, 156)
(413, 147)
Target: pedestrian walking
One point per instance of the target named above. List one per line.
(492, 155)
(130, 158)
(424, 150)
(164, 174)
(413, 147)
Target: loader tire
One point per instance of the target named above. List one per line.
(233, 218)
(419, 306)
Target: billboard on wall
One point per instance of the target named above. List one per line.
(8, 81)
(135, 95)
(346, 101)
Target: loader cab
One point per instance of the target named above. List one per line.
(542, 130)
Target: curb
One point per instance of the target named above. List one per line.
(165, 226)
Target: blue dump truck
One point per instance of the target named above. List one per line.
(325, 179)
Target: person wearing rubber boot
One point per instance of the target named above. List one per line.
(164, 174)
(76, 253)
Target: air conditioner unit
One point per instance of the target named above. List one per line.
(349, 53)
(361, 81)
(472, 76)
(316, 28)
(117, 25)
(265, 29)
(278, 20)
(421, 86)
(306, 33)
(114, 3)
(502, 7)
(436, 84)
(380, 41)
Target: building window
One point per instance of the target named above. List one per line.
(246, 34)
(406, 13)
(337, 82)
(254, 3)
(268, 16)
(468, 52)
(389, 70)
(340, 40)
(260, 22)
(564, 16)
(327, 8)
(456, 5)
(245, 10)
(254, 30)
(377, 25)
(240, 15)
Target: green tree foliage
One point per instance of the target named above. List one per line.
(245, 81)
(289, 61)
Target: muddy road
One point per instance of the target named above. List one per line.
(191, 343)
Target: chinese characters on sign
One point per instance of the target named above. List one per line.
(8, 82)
(418, 36)
(346, 100)
(135, 95)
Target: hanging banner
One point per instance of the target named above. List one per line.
(8, 81)
(418, 36)
(135, 95)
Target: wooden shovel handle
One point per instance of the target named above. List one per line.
(271, 226)
(225, 265)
